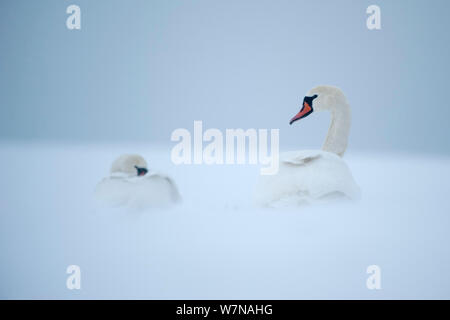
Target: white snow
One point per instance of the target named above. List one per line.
(215, 245)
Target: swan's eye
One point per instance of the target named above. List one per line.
(310, 99)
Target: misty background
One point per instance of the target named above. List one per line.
(137, 70)
(73, 100)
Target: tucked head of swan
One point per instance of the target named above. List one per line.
(329, 98)
(130, 164)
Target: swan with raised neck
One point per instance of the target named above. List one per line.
(332, 99)
(307, 176)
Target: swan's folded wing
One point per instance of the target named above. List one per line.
(175, 195)
(303, 157)
(112, 191)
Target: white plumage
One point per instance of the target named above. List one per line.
(310, 176)
(305, 177)
(131, 185)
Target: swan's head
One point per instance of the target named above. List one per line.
(129, 165)
(320, 98)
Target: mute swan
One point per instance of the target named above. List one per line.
(131, 184)
(314, 175)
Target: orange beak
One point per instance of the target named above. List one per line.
(305, 111)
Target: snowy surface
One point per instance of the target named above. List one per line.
(216, 245)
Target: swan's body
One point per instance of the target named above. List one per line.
(132, 186)
(314, 175)
(304, 177)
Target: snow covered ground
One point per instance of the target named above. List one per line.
(216, 245)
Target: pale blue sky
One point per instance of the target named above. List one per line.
(137, 70)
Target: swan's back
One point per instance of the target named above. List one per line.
(306, 176)
(153, 190)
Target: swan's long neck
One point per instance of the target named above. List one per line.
(337, 137)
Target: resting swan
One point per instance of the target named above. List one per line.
(130, 184)
(314, 175)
